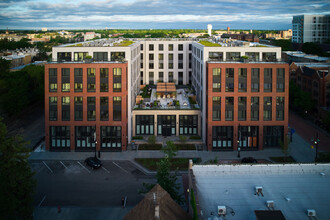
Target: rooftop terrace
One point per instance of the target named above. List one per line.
(162, 99)
(101, 43)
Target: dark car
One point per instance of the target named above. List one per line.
(249, 160)
(93, 162)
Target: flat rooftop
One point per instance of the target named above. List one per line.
(101, 43)
(294, 188)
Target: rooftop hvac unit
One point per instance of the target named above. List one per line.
(221, 210)
(270, 204)
(311, 212)
(258, 189)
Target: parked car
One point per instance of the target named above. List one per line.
(93, 162)
(249, 160)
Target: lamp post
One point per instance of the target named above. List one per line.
(238, 152)
(316, 142)
(95, 141)
(238, 142)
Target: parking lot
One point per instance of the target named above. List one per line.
(72, 183)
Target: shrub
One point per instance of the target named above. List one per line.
(195, 137)
(152, 139)
(137, 138)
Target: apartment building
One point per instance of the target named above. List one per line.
(169, 87)
(310, 28)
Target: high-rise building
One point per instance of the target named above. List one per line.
(230, 93)
(310, 28)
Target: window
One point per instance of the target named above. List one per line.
(104, 79)
(117, 108)
(117, 87)
(222, 137)
(233, 56)
(151, 47)
(180, 61)
(65, 80)
(111, 137)
(229, 108)
(59, 137)
(64, 56)
(100, 56)
(269, 57)
(79, 56)
(85, 137)
(280, 80)
(216, 56)
(180, 47)
(190, 47)
(216, 109)
(267, 108)
(280, 108)
(254, 108)
(170, 77)
(52, 79)
(267, 80)
(160, 61)
(144, 125)
(248, 136)
(78, 79)
(229, 79)
(254, 56)
(151, 78)
(273, 135)
(91, 113)
(118, 56)
(104, 108)
(66, 108)
(170, 60)
(161, 77)
(160, 47)
(255, 79)
(170, 47)
(188, 125)
(141, 46)
(78, 108)
(242, 108)
(242, 77)
(53, 108)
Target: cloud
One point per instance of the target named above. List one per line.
(39, 13)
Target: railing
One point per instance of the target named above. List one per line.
(246, 61)
(191, 107)
(86, 61)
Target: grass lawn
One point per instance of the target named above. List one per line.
(283, 159)
(209, 44)
(150, 146)
(180, 163)
(124, 43)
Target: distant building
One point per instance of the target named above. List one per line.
(18, 60)
(298, 56)
(44, 29)
(310, 28)
(242, 37)
(91, 35)
(279, 35)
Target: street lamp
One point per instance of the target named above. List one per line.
(95, 141)
(316, 142)
(238, 152)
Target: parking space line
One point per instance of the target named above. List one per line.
(47, 167)
(63, 164)
(42, 201)
(120, 167)
(105, 169)
(83, 167)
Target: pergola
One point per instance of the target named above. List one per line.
(165, 89)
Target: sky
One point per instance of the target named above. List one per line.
(156, 14)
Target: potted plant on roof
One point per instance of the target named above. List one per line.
(88, 59)
(244, 59)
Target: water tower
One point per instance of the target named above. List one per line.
(209, 29)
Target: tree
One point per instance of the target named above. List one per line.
(312, 48)
(16, 178)
(164, 178)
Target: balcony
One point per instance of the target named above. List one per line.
(166, 99)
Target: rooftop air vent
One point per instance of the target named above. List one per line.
(259, 190)
(270, 204)
(221, 210)
(311, 213)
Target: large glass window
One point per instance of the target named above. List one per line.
(104, 80)
(233, 56)
(273, 135)
(160, 61)
(78, 79)
(268, 79)
(64, 56)
(52, 79)
(104, 108)
(180, 61)
(117, 72)
(65, 80)
(118, 56)
(229, 114)
(267, 108)
(66, 108)
(255, 108)
(255, 79)
(79, 56)
(91, 113)
(170, 60)
(151, 47)
(52, 108)
(144, 125)
(166, 125)
(151, 78)
(222, 137)
(229, 79)
(254, 56)
(170, 77)
(117, 108)
(216, 80)
(248, 136)
(216, 56)
(242, 77)
(85, 137)
(100, 56)
(78, 108)
(160, 47)
(59, 136)
(216, 109)
(280, 108)
(91, 87)
(241, 108)
(188, 125)
(280, 80)
(111, 137)
(170, 47)
(268, 56)
(180, 47)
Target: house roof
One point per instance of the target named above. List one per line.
(294, 188)
(157, 204)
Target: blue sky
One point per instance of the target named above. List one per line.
(155, 14)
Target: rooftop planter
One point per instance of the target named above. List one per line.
(124, 43)
(88, 59)
(209, 44)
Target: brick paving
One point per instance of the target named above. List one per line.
(307, 130)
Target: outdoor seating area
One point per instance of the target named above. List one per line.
(166, 96)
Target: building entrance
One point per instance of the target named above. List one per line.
(166, 125)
